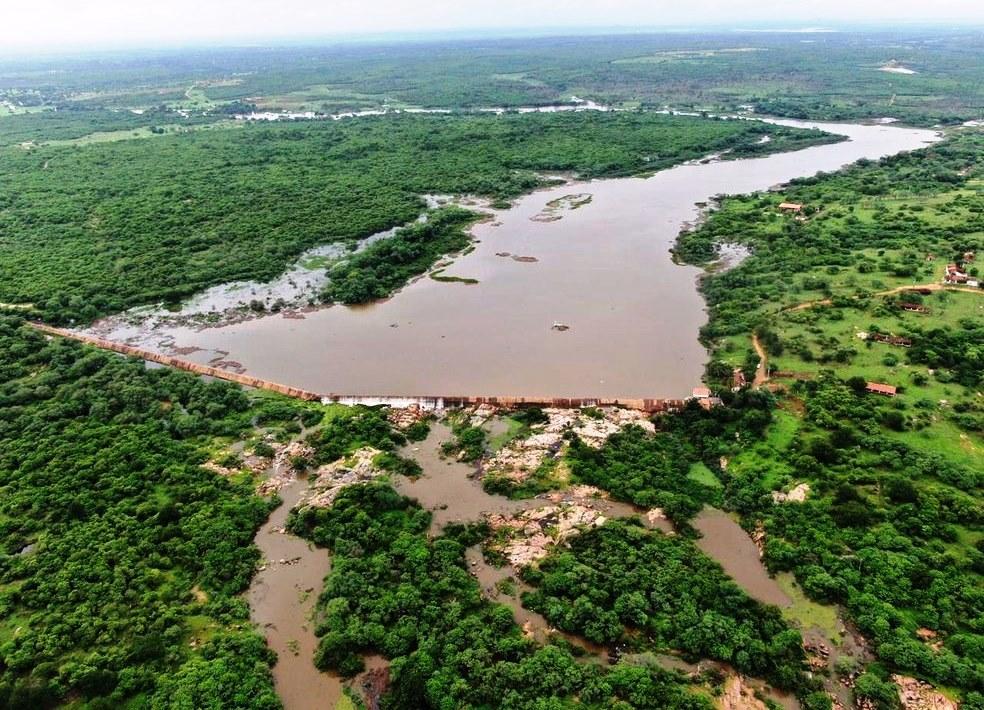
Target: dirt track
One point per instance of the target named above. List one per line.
(762, 371)
(890, 292)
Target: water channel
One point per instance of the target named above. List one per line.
(601, 266)
(282, 598)
(283, 594)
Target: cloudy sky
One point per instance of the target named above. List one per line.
(69, 24)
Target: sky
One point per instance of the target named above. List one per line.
(54, 25)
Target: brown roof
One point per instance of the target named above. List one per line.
(879, 388)
(701, 392)
(790, 206)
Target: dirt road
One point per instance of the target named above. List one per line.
(890, 292)
(762, 371)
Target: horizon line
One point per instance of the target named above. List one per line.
(450, 35)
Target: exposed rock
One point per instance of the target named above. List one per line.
(256, 464)
(250, 462)
(594, 432)
(738, 696)
(551, 212)
(283, 470)
(520, 458)
(479, 414)
(796, 495)
(578, 493)
(404, 417)
(758, 537)
(526, 537)
(655, 514)
(331, 479)
(916, 695)
(217, 468)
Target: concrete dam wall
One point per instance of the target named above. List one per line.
(436, 402)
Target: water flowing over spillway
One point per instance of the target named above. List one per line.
(591, 256)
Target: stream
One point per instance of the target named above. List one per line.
(284, 593)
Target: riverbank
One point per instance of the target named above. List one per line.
(633, 315)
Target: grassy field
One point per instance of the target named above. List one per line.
(142, 132)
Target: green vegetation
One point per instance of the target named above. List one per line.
(345, 429)
(871, 232)
(550, 475)
(76, 125)
(886, 530)
(469, 442)
(621, 582)
(386, 265)
(439, 276)
(655, 470)
(892, 521)
(806, 613)
(96, 229)
(393, 590)
(817, 75)
(121, 559)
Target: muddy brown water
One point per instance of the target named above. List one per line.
(603, 269)
(449, 488)
(724, 540)
(453, 492)
(282, 599)
(282, 596)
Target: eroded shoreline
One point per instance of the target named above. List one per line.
(602, 270)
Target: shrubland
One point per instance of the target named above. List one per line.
(892, 524)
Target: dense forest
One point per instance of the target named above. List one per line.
(121, 560)
(394, 590)
(621, 579)
(73, 123)
(93, 230)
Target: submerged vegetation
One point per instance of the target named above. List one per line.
(96, 229)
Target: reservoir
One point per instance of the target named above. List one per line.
(592, 256)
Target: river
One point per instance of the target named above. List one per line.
(601, 267)
(282, 598)
(284, 592)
